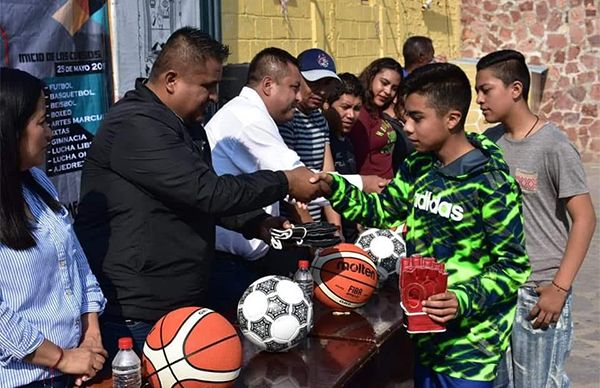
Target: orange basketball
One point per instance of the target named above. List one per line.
(192, 347)
(345, 276)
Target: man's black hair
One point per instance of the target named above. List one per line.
(508, 66)
(445, 85)
(188, 47)
(416, 47)
(271, 61)
(350, 84)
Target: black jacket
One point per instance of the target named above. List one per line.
(149, 204)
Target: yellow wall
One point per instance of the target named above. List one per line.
(354, 32)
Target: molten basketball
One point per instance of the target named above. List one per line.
(192, 347)
(345, 276)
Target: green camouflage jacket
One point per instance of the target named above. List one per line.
(472, 222)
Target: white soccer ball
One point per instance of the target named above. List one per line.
(274, 313)
(386, 247)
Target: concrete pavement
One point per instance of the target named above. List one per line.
(583, 367)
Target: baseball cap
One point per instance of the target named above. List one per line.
(316, 64)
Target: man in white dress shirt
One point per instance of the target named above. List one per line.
(244, 137)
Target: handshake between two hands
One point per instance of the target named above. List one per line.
(306, 185)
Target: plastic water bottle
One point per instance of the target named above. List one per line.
(304, 279)
(126, 367)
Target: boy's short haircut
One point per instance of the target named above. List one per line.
(445, 85)
(350, 84)
(508, 66)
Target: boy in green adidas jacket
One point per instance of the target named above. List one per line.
(462, 207)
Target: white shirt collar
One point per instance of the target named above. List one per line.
(253, 96)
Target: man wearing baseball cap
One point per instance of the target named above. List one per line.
(316, 64)
(308, 132)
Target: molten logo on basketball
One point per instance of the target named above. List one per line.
(358, 268)
(345, 276)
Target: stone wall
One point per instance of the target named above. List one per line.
(561, 34)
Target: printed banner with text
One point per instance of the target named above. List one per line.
(64, 43)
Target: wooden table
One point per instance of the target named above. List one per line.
(378, 322)
(314, 363)
(375, 322)
(364, 348)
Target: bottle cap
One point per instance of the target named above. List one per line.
(304, 264)
(125, 343)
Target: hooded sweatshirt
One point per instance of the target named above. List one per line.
(468, 216)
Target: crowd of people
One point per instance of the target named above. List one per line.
(176, 213)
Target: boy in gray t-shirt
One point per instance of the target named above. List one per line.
(551, 176)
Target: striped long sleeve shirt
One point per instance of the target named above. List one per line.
(308, 134)
(44, 290)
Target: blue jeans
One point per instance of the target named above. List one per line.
(112, 330)
(427, 378)
(62, 381)
(231, 275)
(536, 358)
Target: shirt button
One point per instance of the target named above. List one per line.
(62, 263)
(69, 292)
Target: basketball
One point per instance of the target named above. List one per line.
(192, 347)
(345, 276)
